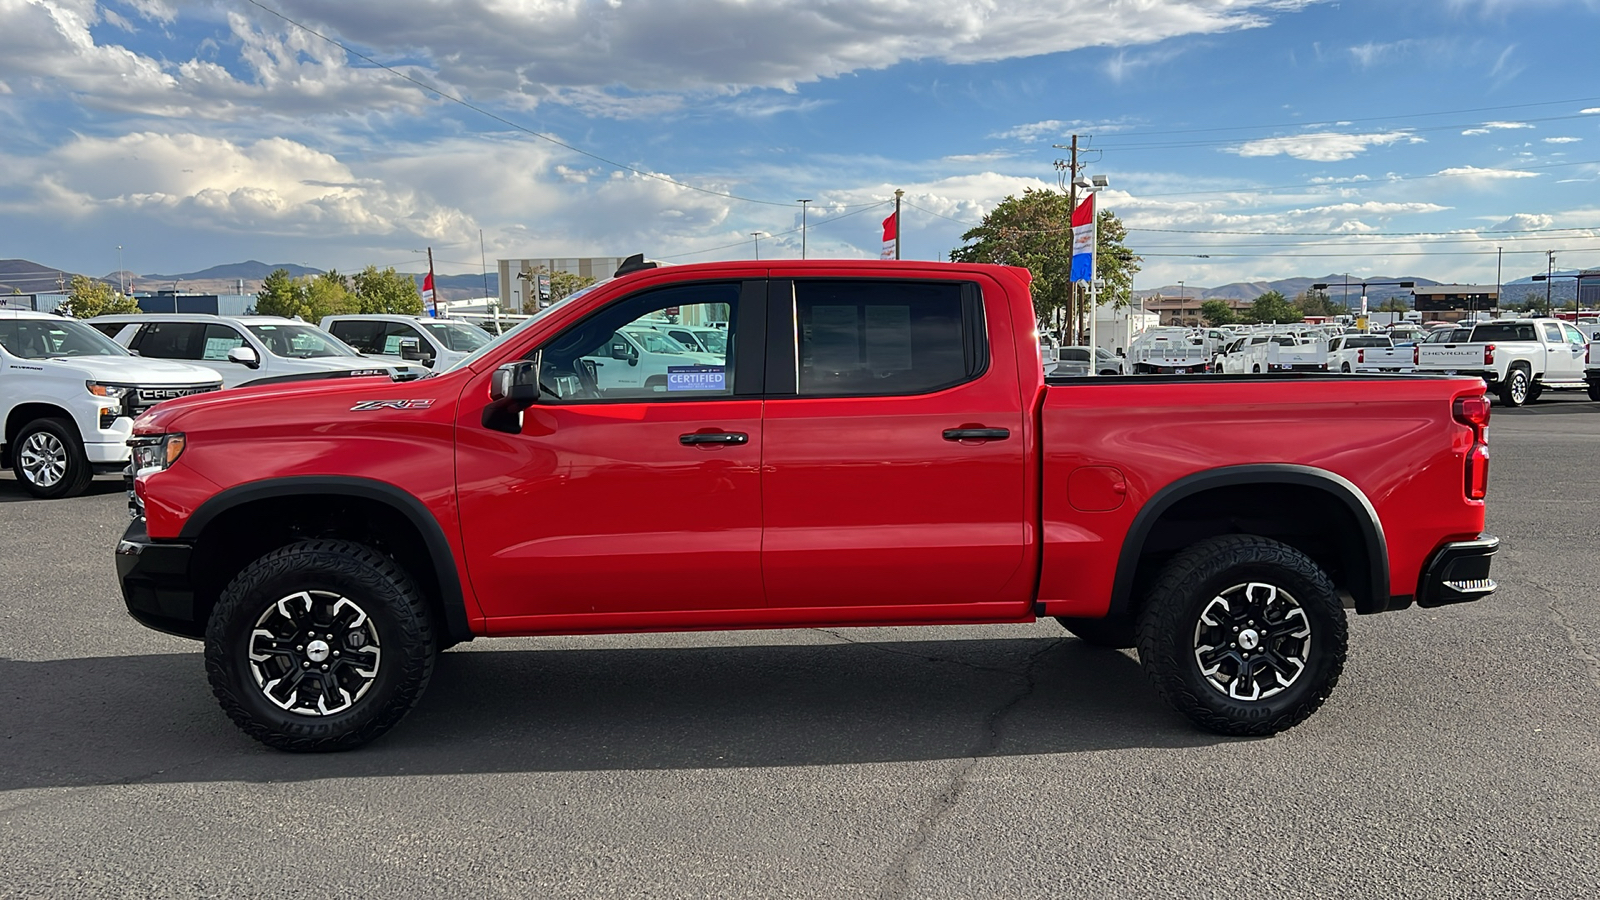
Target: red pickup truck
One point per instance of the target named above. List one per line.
(876, 445)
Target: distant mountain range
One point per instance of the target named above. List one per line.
(25, 276)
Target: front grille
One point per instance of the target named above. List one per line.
(142, 398)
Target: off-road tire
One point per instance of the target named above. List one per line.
(1170, 623)
(59, 435)
(378, 586)
(1115, 633)
(1515, 390)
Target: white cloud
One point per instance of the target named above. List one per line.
(1051, 129)
(1487, 127)
(1325, 146)
(1589, 111)
(1524, 222)
(1562, 140)
(1474, 173)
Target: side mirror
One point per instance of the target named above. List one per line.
(512, 388)
(621, 351)
(411, 351)
(245, 356)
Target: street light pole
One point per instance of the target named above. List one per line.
(1549, 269)
(757, 236)
(121, 284)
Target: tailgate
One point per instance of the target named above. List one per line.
(1449, 356)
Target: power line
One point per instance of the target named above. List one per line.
(1171, 145)
(856, 212)
(1375, 182)
(507, 122)
(1367, 255)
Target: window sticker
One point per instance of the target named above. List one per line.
(218, 347)
(697, 378)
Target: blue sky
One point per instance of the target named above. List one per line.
(1243, 139)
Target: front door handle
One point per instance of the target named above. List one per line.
(976, 434)
(714, 437)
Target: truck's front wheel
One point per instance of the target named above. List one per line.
(320, 645)
(1244, 635)
(48, 459)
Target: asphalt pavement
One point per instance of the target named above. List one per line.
(1458, 757)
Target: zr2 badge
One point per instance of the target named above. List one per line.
(365, 405)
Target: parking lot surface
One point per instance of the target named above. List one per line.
(1459, 756)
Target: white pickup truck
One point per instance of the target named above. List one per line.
(1259, 353)
(1367, 353)
(68, 397)
(1168, 351)
(1516, 358)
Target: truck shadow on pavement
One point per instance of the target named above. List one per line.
(135, 719)
(11, 492)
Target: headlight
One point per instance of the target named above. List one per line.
(102, 389)
(155, 452)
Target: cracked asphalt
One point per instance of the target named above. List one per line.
(1459, 756)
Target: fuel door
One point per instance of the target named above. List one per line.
(1096, 488)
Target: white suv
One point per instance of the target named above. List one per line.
(68, 396)
(247, 349)
(438, 343)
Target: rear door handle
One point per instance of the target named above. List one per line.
(976, 434)
(714, 437)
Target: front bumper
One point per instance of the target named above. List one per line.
(1458, 573)
(155, 582)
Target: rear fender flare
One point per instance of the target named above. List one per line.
(1376, 590)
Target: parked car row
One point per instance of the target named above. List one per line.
(70, 390)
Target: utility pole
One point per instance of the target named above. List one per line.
(1500, 279)
(121, 286)
(803, 227)
(1549, 269)
(757, 236)
(897, 195)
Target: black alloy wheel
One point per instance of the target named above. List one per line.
(1243, 634)
(320, 645)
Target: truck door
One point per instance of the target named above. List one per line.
(621, 499)
(894, 462)
(1563, 358)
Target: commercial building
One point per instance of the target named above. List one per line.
(520, 286)
(1454, 302)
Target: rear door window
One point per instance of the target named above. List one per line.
(171, 340)
(219, 339)
(880, 337)
(363, 336)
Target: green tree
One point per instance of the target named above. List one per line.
(385, 291)
(1316, 303)
(281, 295)
(1273, 307)
(1034, 231)
(1217, 312)
(329, 294)
(1392, 304)
(88, 298)
(565, 284)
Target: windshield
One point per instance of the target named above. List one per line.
(522, 326)
(656, 342)
(299, 341)
(47, 338)
(457, 337)
(715, 340)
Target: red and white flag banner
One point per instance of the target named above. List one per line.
(891, 231)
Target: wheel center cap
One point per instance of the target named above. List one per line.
(317, 651)
(1249, 639)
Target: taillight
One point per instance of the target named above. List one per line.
(1473, 412)
(1416, 356)
(1488, 354)
(1361, 356)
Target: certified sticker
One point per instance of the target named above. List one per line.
(697, 378)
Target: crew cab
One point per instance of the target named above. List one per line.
(246, 349)
(68, 396)
(1367, 353)
(880, 446)
(435, 343)
(1516, 358)
(1255, 354)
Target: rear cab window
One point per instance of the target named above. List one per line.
(880, 337)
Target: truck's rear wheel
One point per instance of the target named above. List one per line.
(1115, 633)
(1244, 635)
(1514, 390)
(1594, 392)
(48, 459)
(1534, 390)
(320, 645)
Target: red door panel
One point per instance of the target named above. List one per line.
(604, 509)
